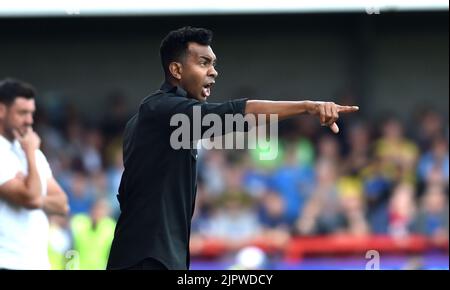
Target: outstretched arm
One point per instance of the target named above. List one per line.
(328, 112)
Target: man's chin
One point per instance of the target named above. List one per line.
(204, 97)
(200, 98)
(22, 131)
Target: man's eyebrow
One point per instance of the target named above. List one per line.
(209, 59)
(25, 111)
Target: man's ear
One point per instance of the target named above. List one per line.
(2, 111)
(176, 69)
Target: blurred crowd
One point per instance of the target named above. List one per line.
(384, 177)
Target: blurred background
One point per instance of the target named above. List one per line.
(377, 191)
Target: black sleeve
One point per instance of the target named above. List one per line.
(230, 114)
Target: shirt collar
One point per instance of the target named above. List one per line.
(169, 88)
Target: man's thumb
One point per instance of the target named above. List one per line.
(334, 127)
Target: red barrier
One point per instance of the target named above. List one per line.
(298, 247)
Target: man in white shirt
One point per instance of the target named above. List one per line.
(28, 191)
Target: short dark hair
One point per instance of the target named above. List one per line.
(10, 89)
(174, 45)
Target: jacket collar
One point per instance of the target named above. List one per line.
(169, 88)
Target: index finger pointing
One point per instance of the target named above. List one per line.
(347, 109)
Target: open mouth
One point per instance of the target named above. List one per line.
(206, 90)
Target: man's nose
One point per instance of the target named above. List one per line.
(213, 72)
(29, 120)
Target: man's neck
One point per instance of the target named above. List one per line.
(173, 82)
(5, 135)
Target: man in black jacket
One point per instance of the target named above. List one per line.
(158, 187)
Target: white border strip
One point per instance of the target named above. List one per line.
(180, 7)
